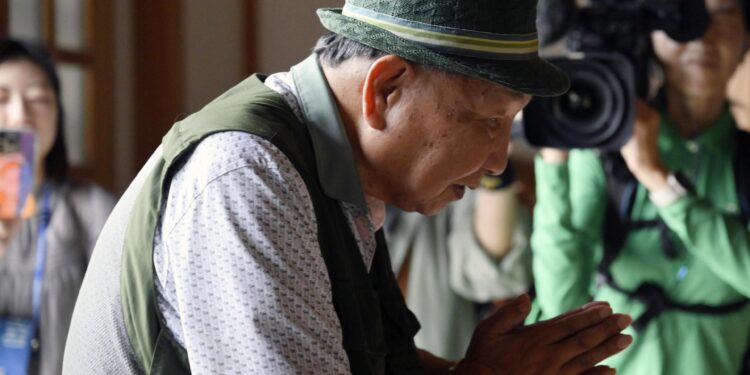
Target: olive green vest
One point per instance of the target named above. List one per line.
(377, 326)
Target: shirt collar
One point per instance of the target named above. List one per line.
(334, 158)
(716, 137)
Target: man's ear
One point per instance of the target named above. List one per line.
(383, 87)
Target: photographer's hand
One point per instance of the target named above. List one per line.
(554, 155)
(641, 153)
(572, 343)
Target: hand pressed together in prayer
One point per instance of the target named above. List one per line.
(572, 343)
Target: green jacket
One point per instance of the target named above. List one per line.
(377, 326)
(713, 265)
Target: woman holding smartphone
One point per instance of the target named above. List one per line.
(42, 257)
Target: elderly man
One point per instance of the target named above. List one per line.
(250, 242)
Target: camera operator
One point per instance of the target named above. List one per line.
(682, 266)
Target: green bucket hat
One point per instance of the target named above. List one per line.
(495, 40)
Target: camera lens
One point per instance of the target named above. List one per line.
(584, 102)
(592, 106)
(595, 112)
(578, 103)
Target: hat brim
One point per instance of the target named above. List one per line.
(531, 76)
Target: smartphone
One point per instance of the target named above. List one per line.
(17, 152)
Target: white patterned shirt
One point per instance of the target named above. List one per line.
(241, 282)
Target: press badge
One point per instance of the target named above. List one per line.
(16, 337)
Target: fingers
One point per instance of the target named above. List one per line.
(572, 322)
(646, 114)
(579, 310)
(588, 360)
(592, 337)
(507, 317)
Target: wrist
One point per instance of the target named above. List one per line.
(653, 179)
(672, 190)
(554, 156)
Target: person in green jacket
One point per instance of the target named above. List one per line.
(250, 242)
(690, 306)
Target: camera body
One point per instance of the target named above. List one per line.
(608, 61)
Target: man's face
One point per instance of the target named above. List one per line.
(443, 133)
(704, 66)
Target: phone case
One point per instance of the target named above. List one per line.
(17, 150)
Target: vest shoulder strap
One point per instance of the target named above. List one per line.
(250, 107)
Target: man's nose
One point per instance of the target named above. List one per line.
(497, 160)
(16, 113)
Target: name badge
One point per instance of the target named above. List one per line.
(16, 336)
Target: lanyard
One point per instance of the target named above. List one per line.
(41, 256)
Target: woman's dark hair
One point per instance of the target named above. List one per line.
(56, 161)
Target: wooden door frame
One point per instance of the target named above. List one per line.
(250, 35)
(100, 105)
(158, 59)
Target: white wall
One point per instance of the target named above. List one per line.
(287, 31)
(213, 49)
(213, 55)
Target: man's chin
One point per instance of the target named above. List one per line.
(436, 204)
(432, 208)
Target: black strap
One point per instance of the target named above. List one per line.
(621, 186)
(742, 174)
(742, 183)
(621, 191)
(657, 301)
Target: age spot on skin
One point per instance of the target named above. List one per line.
(483, 93)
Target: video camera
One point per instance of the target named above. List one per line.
(608, 61)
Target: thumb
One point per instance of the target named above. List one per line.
(509, 316)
